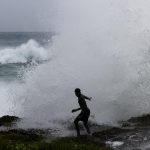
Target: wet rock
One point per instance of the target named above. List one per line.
(126, 124)
(8, 120)
(140, 121)
(110, 133)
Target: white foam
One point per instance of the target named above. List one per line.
(30, 51)
(115, 143)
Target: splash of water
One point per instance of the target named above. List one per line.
(103, 49)
(30, 51)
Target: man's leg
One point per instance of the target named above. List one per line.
(85, 121)
(86, 126)
(77, 126)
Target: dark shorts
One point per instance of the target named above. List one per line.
(83, 116)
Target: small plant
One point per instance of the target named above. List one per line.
(49, 146)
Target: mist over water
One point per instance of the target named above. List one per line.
(103, 48)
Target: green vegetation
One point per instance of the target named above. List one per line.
(49, 146)
(72, 143)
(13, 141)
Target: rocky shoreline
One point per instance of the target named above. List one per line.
(133, 134)
(130, 135)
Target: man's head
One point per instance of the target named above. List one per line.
(77, 92)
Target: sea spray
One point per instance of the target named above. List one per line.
(27, 52)
(103, 48)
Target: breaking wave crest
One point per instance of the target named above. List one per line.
(27, 52)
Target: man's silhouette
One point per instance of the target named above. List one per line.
(85, 111)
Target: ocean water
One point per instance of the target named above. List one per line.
(20, 52)
(19, 49)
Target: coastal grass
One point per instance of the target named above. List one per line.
(49, 146)
(13, 142)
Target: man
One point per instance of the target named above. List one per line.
(85, 111)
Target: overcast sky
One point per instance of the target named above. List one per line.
(26, 15)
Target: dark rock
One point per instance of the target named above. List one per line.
(8, 120)
(126, 124)
(110, 133)
(140, 121)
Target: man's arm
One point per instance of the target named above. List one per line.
(74, 110)
(89, 98)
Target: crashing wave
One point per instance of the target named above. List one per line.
(27, 52)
